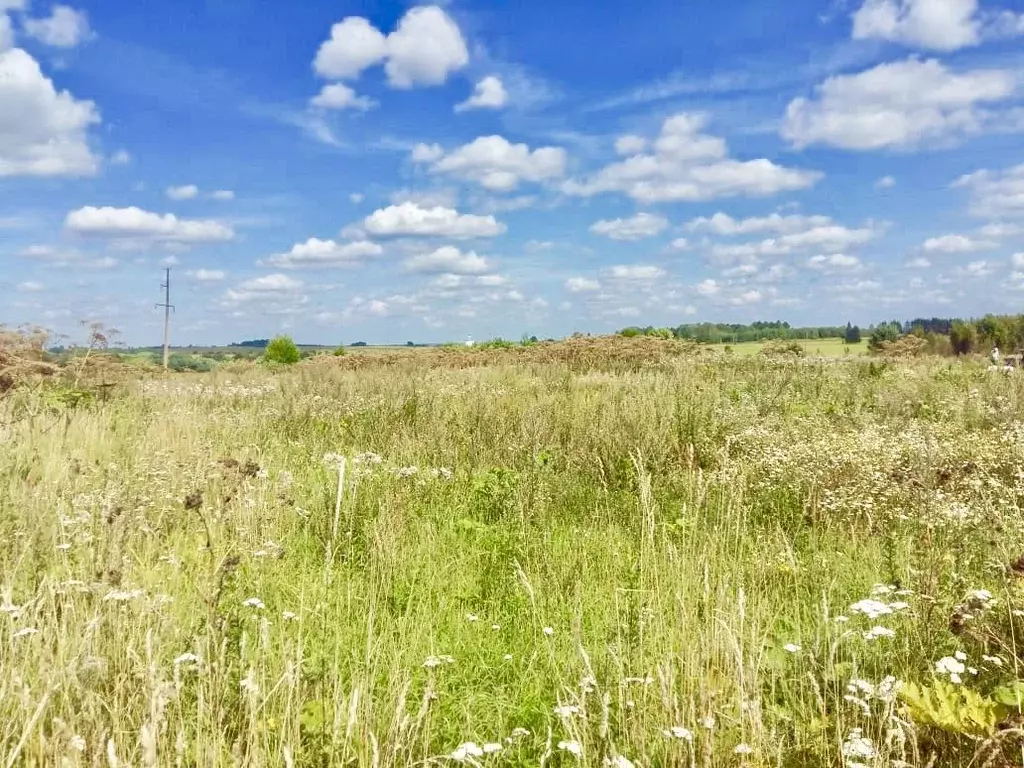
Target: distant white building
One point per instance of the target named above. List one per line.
(469, 341)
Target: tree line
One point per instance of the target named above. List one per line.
(942, 335)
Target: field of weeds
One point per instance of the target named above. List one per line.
(578, 558)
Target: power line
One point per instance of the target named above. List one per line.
(168, 307)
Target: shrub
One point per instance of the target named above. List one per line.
(282, 349)
(783, 349)
(179, 362)
(339, 351)
(882, 334)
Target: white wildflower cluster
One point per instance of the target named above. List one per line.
(432, 662)
(858, 748)
(465, 752)
(862, 693)
(226, 389)
(678, 732)
(954, 667)
(873, 609)
(404, 472)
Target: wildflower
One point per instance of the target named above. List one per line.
(368, 458)
(472, 617)
(496, 627)
(262, 473)
(254, 602)
(871, 608)
(993, 660)
(518, 733)
(678, 732)
(876, 632)
(491, 747)
(249, 684)
(26, 632)
(77, 743)
(64, 547)
(123, 596)
(842, 619)
(465, 751)
(588, 684)
(442, 472)
(960, 656)
(406, 471)
(881, 589)
(980, 598)
(566, 710)
(857, 746)
(708, 722)
(791, 648)
(743, 749)
(549, 631)
(950, 666)
(187, 658)
(289, 616)
(334, 459)
(11, 609)
(573, 747)
(285, 479)
(618, 762)
(436, 661)
(507, 657)
(899, 605)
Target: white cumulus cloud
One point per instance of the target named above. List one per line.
(724, 224)
(267, 288)
(63, 28)
(901, 104)
(409, 219)
(448, 259)
(836, 262)
(689, 165)
(326, 253)
(630, 144)
(489, 93)
(495, 163)
(43, 132)
(940, 25)
(957, 244)
(636, 227)
(424, 49)
(634, 272)
(185, 192)
(582, 285)
(207, 275)
(137, 224)
(339, 96)
(995, 194)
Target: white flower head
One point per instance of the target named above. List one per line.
(791, 648)
(491, 747)
(187, 658)
(950, 666)
(871, 608)
(743, 749)
(77, 743)
(472, 618)
(572, 747)
(25, 632)
(678, 732)
(876, 632)
(566, 710)
(464, 752)
(618, 762)
(254, 602)
(549, 631)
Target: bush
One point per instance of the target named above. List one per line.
(781, 348)
(179, 362)
(282, 349)
(339, 351)
(882, 334)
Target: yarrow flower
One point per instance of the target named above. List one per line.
(573, 747)
(187, 658)
(618, 762)
(743, 749)
(436, 661)
(950, 666)
(123, 596)
(876, 632)
(678, 732)
(791, 648)
(549, 631)
(871, 608)
(465, 751)
(857, 746)
(25, 632)
(254, 602)
(566, 710)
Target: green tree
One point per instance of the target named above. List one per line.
(282, 349)
(883, 333)
(852, 334)
(963, 337)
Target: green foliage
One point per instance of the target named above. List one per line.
(339, 351)
(953, 708)
(180, 362)
(882, 334)
(852, 334)
(282, 349)
(963, 337)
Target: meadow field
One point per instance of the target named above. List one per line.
(812, 348)
(567, 556)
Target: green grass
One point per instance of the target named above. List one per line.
(185, 581)
(813, 347)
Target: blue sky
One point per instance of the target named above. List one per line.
(385, 172)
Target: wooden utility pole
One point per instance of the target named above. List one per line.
(166, 285)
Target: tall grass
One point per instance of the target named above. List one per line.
(651, 566)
